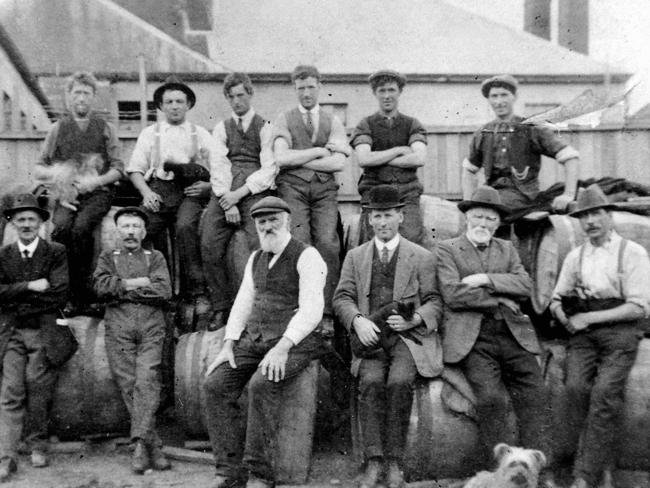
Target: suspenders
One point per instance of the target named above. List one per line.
(156, 153)
(147, 257)
(619, 269)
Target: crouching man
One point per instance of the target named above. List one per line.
(269, 339)
(135, 283)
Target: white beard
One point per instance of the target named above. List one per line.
(479, 236)
(272, 242)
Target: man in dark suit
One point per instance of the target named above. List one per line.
(395, 348)
(33, 287)
(481, 281)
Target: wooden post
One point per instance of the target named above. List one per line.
(143, 92)
(15, 109)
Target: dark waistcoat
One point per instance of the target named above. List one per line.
(243, 149)
(73, 143)
(382, 281)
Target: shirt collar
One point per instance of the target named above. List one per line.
(164, 125)
(246, 118)
(391, 245)
(31, 247)
(313, 111)
(476, 244)
(611, 245)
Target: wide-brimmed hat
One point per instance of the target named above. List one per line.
(484, 197)
(269, 205)
(390, 74)
(508, 81)
(131, 211)
(26, 201)
(591, 198)
(382, 197)
(173, 83)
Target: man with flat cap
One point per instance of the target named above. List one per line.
(510, 153)
(33, 291)
(170, 167)
(601, 295)
(388, 301)
(269, 339)
(134, 282)
(484, 332)
(391, 147)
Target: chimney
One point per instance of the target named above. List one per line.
(537, 18)
(573, 25)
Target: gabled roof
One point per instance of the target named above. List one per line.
(63, 36)
(420, 37)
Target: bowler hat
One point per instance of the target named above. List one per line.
(26, 201)
(173, 83)
(507, 81)
(269, 205)
(484, 197)
(131, 211)
(388, 73)
(591, 198)
(382, 197)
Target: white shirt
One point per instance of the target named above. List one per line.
(312, 271)
(391, 245)
(263, 178)
(30, 248)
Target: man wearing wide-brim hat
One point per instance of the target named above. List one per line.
(390, 147)
(33, 289)
(482, 283)
(602, 293)
(170, 167)
(389, 269)
(510, 153)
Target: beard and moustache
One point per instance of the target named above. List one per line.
(271, 241)
(479, 235)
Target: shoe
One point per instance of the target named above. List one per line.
(395, 477)
(221, 481)
(7, 467)
(140, 461)
(158, 460)
(580, 483)
(254, 482)
(371, 476)
(39, 459)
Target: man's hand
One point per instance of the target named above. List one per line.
(399, 323)
(198, 189)
(151, 201)
(510, 303)
(366, 330)
(560, 316)
(323, 152)
(229, 199)
(233, 216)
(134, 283)
(337, 147)
(476, 280)
(38, 286)
(86, 184)
(275, 361)
(226, 354)
(578, 322)
(561, 202)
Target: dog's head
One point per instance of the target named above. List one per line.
(519, 467)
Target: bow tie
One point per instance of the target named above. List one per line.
(481, 247)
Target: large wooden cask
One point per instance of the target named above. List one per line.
(195, 352)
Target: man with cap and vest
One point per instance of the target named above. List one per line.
(391, 147)
(170, 167)
(244, 142)
(269, 339)
(484, 332)
(33, 291)
(134, 282)
(601, 294)
(86, 139)
(310, 145)
(388, 301)
(510, 153)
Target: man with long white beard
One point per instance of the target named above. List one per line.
(269, 340)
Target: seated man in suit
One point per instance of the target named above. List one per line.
(481, 281)
(395, 348)
(33, 287)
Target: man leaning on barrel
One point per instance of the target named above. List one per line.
(602, 292)
(33, 289)
(269, 340)
(135, 284)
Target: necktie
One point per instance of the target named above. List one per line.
(309, 125)
(481, 247)
(384, 255)
(240, 125)
(26, 254)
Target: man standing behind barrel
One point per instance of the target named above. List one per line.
(33, 290)
(388, 301)
(391, 147)
(602, 292)
(270, 340)
(135, 284)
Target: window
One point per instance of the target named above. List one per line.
(129, 114)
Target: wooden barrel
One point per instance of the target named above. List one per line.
(563, 233)
(87, 400)
(196, 351)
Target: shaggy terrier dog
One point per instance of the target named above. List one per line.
(518, 468)
(62, 178)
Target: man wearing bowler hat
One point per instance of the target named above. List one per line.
(33, 290)
(170, 168)
(510, 153)
(269, 339)
(391, 147)
(134, 282)
(482, 281)
(601, 294)
(388, 301)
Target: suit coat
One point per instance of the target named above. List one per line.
(465, 306)
(414, 281)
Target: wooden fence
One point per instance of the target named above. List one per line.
(611, 151)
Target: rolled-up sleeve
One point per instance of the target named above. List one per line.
(219, 159)
(264, 178)
(361, 134)
(281, 130)
(338, 135)
(417, 132)
(113, 149)
(243, 304)
(568, 279)
(141, 155)
(636, 277)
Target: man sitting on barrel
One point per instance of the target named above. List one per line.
(387, 300)
(135, 284)
(33, 291)
(481, 281)
(269, 340)
(601, 294)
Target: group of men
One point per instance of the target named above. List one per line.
(406, 309)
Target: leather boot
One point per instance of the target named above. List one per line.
(140, 461)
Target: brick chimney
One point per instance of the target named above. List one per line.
(573, 25)
(537, 18)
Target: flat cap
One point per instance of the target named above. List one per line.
(388, 73)
(269, 205)
(131, 211)
(507, 81)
